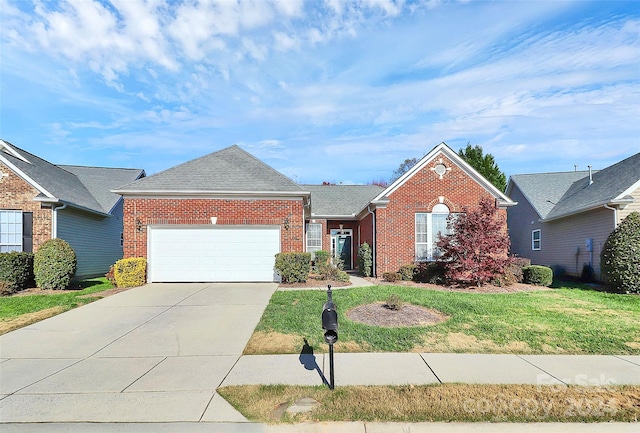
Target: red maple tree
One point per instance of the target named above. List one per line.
(477, 248)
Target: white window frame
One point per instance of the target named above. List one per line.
(11, 230)
(534, 240)
(431, 238)
(317, 242)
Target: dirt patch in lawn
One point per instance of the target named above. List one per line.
(102, 294)
(313, 284)
(379, 314)
(29, 318)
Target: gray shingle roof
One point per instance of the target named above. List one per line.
(85, 187)
(555, 195)
(340, 200)
(227, 170)
(544, 190)
(608, 184)
(99, 181)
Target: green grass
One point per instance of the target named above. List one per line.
(563, 320)
(15, 306)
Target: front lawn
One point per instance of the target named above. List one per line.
(561, 320)
(23, 309)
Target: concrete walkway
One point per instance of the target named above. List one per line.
(150, 359)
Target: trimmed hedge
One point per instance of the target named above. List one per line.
(408, 272)
(131, 272)
(16, 271)
(392, 276)
(620, 257)
(54, 264)
(538, 275)
(293, 267)
(365, 260)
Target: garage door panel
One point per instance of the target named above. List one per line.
(205, 253)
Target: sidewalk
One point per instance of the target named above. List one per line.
(430, 368)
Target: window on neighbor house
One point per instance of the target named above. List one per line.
(10, 231)
(429, 225)
(314, 237)
(536, 239)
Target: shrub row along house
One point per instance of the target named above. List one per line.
(224, 216)
(41, 201)
(563, 219)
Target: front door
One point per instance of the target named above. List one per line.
(341, 247)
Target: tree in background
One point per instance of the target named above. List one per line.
(485, 165)
(403, 168)
(477, 249)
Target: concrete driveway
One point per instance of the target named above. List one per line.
(151, 354)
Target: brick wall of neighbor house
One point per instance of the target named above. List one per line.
(140, 212)
(366, 231)
(396, 224)
(18, 195)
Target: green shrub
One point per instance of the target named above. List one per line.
(131, 272)
(394, 302)
(431, 272)
(54, 264)
(16, 270)
(293, 267)
(330, 272)
(620, 257)
(391, 276)
(538, 275)
(321, 256)
(365, 260)
(408, 272)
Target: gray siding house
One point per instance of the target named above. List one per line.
(40, 201)
(563, 219)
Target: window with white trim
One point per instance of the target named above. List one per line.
(10, 231)
(429, 225)
(314, 237)
(536, 240)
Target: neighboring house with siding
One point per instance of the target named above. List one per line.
(224, 216)
(40, 201)
(563, 219)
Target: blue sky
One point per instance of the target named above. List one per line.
(339, 91)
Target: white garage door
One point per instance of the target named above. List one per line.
(212, 253)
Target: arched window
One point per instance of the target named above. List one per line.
(429, 225)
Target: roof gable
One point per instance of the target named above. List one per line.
(230, 170)
(443, 149)
(59, 184)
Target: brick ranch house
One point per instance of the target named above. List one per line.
(40, 201)
(224, 216)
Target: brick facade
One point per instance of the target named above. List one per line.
(142, 212)
(18, 195)
(395, 224)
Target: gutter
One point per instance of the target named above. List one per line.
(615, 214)
(54, 219)
(373, 247)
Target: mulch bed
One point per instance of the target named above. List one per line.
(487, 288)
(379, 314)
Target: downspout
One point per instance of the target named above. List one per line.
(615, 215)
(54, 219)
(373, 248)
